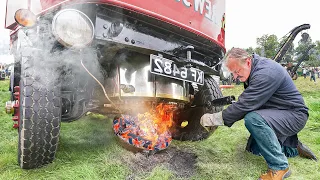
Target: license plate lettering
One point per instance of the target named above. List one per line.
(194, 74)
(168, 68)
(176, 70)
(158, 67)
(183, 73)
(200, 76)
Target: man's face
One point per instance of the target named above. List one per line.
(238, 69)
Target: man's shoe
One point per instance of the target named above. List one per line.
(275, 174)
(305, 152)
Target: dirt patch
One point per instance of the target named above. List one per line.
(180, 162)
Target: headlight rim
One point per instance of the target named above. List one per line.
(60, 40)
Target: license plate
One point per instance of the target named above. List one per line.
(169, 68)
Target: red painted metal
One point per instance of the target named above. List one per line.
(16, 106)
(206, 20)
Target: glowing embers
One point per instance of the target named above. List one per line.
(149, 131)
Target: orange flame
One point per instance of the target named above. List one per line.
(155, 124)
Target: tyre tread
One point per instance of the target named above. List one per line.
(39, 125)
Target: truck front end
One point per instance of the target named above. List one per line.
(141, 60)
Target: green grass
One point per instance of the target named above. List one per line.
(89, 150)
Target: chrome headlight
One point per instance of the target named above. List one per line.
(72, 28)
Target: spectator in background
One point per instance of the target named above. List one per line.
(312, 75)
(304, 72)
(7, 72)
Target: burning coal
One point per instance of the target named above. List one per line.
(149, 131)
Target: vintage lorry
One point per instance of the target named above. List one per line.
(112, 57)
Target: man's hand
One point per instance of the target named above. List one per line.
(210, 120)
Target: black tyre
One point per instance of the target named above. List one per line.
(194, 131)
(40, 111)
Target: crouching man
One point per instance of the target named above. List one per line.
(272, 108)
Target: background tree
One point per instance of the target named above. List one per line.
(267, 45)
(303, 44)
(313, 59)
(250, 50)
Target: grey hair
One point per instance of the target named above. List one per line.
(236, 53)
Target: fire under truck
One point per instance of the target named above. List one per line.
(112, 57)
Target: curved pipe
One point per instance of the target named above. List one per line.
(284, 48)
